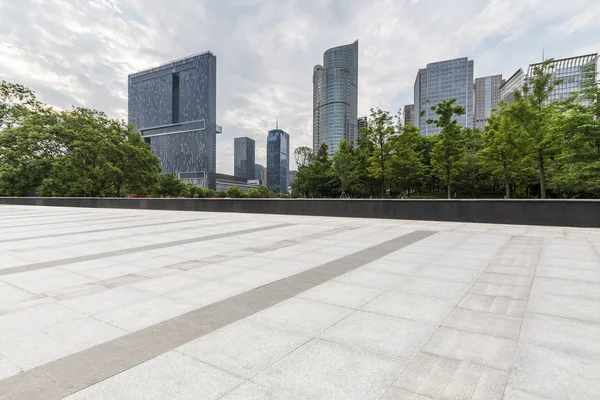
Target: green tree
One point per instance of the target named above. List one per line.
(448, 154)
(234, 192)
(380, 131)
(499, 156)
(303, 156)
(16, 102)
(169, 185)
(577, 171)
(405, 165)
(474, 178)
(318, 178)
(537, 118)
(347, 169)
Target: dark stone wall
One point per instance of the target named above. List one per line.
(575, 213)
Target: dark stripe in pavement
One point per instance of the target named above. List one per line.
(43, 215)
(114, 253)
(100, 230)
(71, 221)
(58, 379)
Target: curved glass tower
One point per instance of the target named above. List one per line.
(335, 97)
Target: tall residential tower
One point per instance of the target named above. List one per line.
(174, 107)
(335, 97)
(444, 80)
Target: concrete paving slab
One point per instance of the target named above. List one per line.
(306, 307)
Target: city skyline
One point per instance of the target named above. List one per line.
(115, 38)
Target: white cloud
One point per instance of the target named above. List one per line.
(80, 52)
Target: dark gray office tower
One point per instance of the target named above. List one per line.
(174, 107)
(278, 160)
(243, 158)
(487, 97)
(409, 111)
(443, 80)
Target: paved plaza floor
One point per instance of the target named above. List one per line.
(130, 304)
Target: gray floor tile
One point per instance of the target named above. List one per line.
(105, 300)
(370, 278)
(169, 376)
(321, 370)
(57, 341)
(400, 394)
(411, 306)
(503, 279)
(439, 377)
(433, 287)
(204, 293)
(494, 304)
(554, 374)
(7, 368)
(565, 306)
(304, 316)
(575, 274)
(138, 315)
(252, 391)
(566, 288)
(484, 323)
(489, 351)
(380, 334)
(573, 336)
(492, 289)
(341, 294)
(244, 348)
(448, 273)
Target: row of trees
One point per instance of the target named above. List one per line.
(533, 147)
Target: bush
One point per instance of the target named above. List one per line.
(234, 192)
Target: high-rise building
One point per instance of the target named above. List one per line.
(278, 160)
(360, 124)
(174, 107)
(443, 80)
(487, 97)
(292, 177)
(515, 82)
(569, 71)
(335, 97)
(259, 171)
(409, 112)
(243, 157)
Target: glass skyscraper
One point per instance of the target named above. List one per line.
(174, 107)
(487, 97)
(515, 82)
(278, 160)
(444, 80)
(569, 70)
(335, 97)
(243, 158)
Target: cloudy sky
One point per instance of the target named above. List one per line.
(79, 52)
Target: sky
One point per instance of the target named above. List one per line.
(79, 53)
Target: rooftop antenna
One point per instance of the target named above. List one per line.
(277, 123)
(543, 55)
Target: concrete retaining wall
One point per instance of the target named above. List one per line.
(576, 213)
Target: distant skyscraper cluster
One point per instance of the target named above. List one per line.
(335, 97)
(453, 79)
(174, 108)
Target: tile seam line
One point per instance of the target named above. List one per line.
(71, 221)
(73, 260)
(403, 240)
(97, 231)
